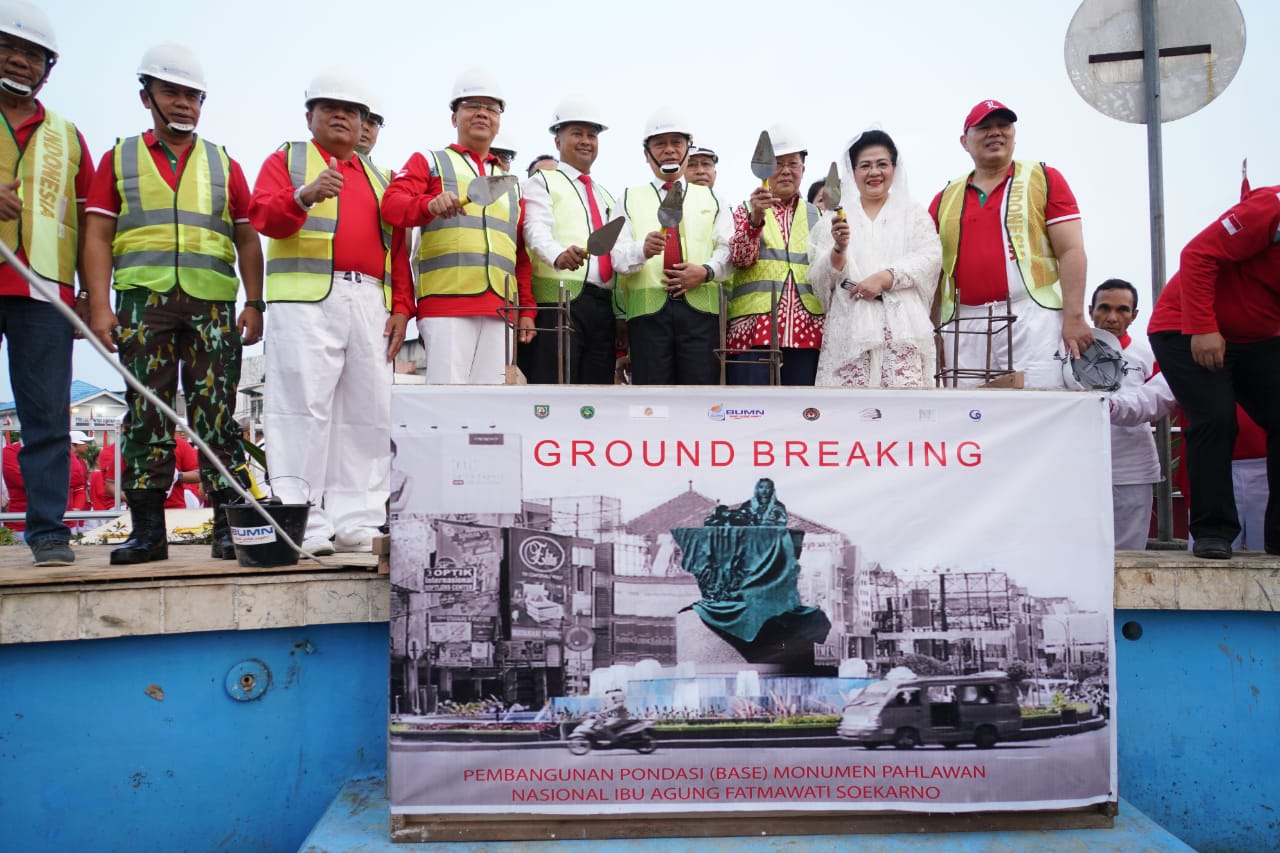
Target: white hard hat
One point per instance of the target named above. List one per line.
(172, 63)
(1099, 368)
(666, 120)
(476, 83)
(703, 151)
(576, 110)
(79, 437)
(786, 141)
(337, 84)
(374, 105)
(29, 23)
(500, 144)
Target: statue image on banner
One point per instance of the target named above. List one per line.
(746, 562)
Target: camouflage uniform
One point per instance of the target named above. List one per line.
(163, 336)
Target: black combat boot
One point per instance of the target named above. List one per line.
(149, 540)
(223, 548)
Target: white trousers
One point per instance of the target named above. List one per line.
(327, 412)
(1037, 338)
(1131, 513)
(1249, 478)
(464, 350)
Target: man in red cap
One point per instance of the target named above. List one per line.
(1011, 243)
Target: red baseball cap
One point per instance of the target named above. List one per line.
(982, 109)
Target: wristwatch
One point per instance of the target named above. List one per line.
(255, 303)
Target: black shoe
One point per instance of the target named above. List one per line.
(150, 538)
(1212, 548)
(52, 552)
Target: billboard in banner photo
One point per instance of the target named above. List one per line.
(832, 601)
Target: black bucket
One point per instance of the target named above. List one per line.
(258, 544)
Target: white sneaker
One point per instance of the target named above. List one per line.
(317, 546)
(355, 542)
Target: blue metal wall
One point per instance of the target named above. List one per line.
(1199, 715)
(90, 762)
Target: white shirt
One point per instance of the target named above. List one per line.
(628, 253)
(1140, 399)
(539, 219)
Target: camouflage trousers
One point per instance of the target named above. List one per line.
(164, 337)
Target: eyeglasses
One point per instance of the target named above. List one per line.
(479, 106)
(32, 53)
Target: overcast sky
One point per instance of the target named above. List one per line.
(914, 67)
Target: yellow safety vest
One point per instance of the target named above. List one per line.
(468, 254)
(48, 229)
(571, 227)
(1024, 219)
(753, 287)
(300, 267)
(166, 237)
(643, 292)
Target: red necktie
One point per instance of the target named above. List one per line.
(605, 264)
(671, 251)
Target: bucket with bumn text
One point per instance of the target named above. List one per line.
(259, 544)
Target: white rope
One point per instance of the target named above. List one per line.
(49, 291)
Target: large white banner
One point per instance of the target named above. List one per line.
(631, 600)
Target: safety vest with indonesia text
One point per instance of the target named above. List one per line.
(300, 267)
(165, 237)
(473, 252)
(1026, 195)
(643, 293)
(571, 227)
(753, 287)
(47, 231)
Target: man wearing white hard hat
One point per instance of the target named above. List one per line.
(340, 297)
(667, 277)
(770, 247)
(45, 173)
(1012, 244)
(169, 222)
(701, 168)
(471, 261)
(562, 207)
(371, 126)
(504, 152)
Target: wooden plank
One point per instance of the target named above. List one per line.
(185, 561)
(499, 827)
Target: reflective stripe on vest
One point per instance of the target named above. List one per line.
(753, 287)
(571, 226)
(300, 267)
(1026, 195)
(468, 254)
(166, 237)
(643, 292)
(48, 229)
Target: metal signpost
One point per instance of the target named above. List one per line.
(1148, 62)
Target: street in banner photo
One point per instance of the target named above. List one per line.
(627, 600)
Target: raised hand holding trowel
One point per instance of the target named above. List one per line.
(831, 189)
(483, 191)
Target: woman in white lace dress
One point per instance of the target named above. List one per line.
(878, 291)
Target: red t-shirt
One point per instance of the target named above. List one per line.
(14, 484)
(100, 497)
(11, 283)
(1229, 281)
(78, 489)
(185, 458)
(104, 199)
(357, 244)
(984, 254)
(405, 205)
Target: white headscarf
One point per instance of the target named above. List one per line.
(868, 252)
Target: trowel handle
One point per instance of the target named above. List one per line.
(840, 214)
